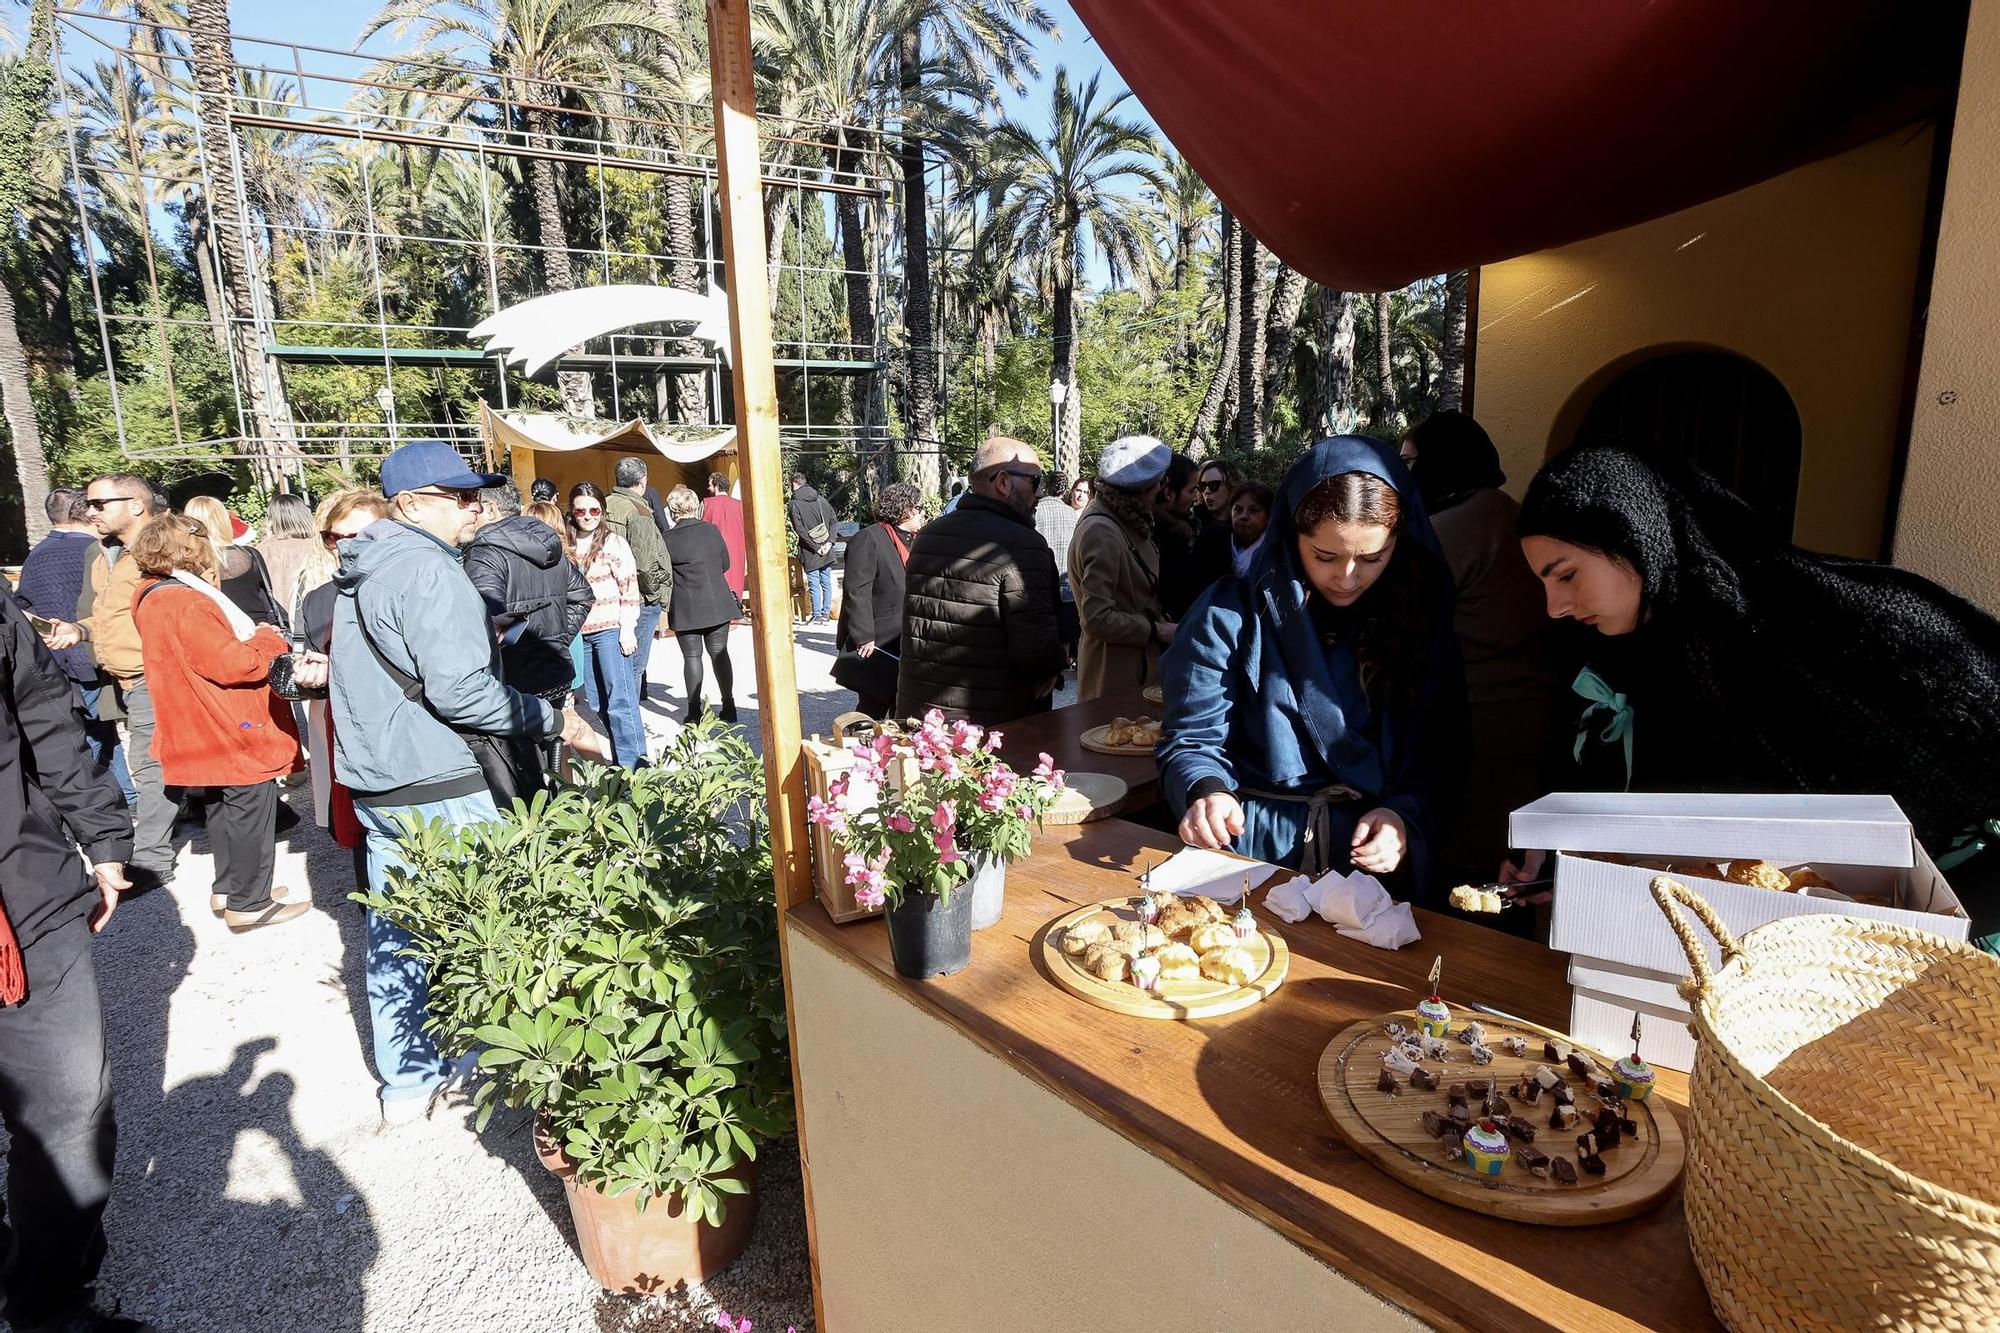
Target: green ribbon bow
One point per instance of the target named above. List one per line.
(1969, 844)
(1618, 727)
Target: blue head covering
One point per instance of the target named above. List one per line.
(1277, 572)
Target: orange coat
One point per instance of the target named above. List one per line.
(216, 722)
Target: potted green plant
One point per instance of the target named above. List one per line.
(612, 952)
(927, 820)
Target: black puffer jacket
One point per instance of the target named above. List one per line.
(979, 624)
(536, 597)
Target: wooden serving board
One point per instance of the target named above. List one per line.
(1196, 997)
(1087, 796)
(1093, 739)
(1388, 1130)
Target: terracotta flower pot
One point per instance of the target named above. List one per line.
(634, 1253)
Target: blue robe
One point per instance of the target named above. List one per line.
(1256, 701)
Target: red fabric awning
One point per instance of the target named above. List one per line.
(1369, 144)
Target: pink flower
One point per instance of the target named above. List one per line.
(902, 823)
(727, 1324)
(944, 820)
(868, 898)
(993, 742)
(997, 789)
(1046, 770)
(827, 815)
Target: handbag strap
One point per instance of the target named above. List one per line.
(412, 688)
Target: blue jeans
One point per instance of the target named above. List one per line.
(608, 688)
(406, 1059)
(649, 620)
(819, 585)
(105, 747)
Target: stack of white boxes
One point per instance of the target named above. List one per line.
(1624, 956)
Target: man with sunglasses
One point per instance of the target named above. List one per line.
(119, 505)
(414, 672)
(980, 636)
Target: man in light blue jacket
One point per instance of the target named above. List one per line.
(414, 670)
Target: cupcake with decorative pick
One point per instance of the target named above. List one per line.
(1632, 1074)
(1244, 923)
(1485, 1149)
(1146, 972)
(1433, 1014)
(1147, 910)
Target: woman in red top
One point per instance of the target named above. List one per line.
(217, 722)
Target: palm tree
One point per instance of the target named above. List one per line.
(1451, 373)
(1060, 191)
(215, 81)
(1210, 412)
(23, 108)
(522, 54)
(1333, 409)
(1388, 414)
(1250, 360)
(1288, 299)
(1185, 212)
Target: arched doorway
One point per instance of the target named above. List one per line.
(1720, 411)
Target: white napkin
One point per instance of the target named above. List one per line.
(1193, 870)
(1355, 904)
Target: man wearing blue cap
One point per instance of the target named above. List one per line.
(414, 673)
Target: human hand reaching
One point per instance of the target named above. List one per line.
(583, 739)
(1213, 822)
(1380, 841)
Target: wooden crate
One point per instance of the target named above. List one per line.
(826, 760)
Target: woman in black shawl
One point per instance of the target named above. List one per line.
(1733, 661)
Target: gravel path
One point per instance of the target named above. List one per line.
(257, 1191)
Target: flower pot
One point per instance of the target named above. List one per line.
(989, 889)
(928, 938)
(664, 1247)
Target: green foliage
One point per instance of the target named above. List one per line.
(614, 951)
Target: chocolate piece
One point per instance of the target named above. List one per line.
(1534, 1159)
(1460, 1115)
(1555, 1052)
(1581, 1065)
(1454, 1145)
(1520, 1130)
(1563, 1095)
(1586, 1145)
(1482, 1054)
(1565, 1171)
(1629, 1127)
(1563, 1117)
(1481, 1088)
(1455, 1094)
(1517, 1047)
(1606, 1129)
(1605, 1090)
(1594, 1165)
(1435, 1125)
(1386, 1082)
(1547, 1077)
(1495, 1105)
(1531, 1093)
(1423, 1078)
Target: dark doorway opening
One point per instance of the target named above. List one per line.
(1723, 412)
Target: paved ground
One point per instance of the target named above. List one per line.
(255, 1189)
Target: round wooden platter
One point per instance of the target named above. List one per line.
(1154, 694)
(1388, 1130)
(1197, 997)
(1087, 796)
(1093, 739)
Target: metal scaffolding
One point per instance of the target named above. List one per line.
(346, 163)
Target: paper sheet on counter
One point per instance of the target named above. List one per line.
(1192, 870)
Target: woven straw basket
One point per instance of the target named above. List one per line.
(1844, 1138)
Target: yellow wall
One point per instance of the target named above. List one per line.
(1810, 274)
(1948, 527)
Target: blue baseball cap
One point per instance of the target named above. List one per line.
(423, 463)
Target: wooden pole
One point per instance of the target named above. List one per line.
(755, 383)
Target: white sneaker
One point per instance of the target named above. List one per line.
(405, 1110)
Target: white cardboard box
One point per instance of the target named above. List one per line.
(1603, 1022)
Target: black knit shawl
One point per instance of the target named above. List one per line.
(1833, 675)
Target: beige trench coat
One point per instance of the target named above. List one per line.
(1115, 577)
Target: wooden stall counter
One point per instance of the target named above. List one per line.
(988, 1152)
(1058, 733)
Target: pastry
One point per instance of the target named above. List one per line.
(1244, 924)
(1469, 898)
(1079, 937)
(1386, 1082)
(1473, 1033)
(1758, 875)
(1565, 1171)
(1180, 917)
(1161, 900)
(1394, 1059)
(1563, 1095)
(1138, 936)
(1211, 935)
(1434, 1017)
(1516, 1046)
(1395, 1031)
(1179, 963)
(1582, 1066)
(1231, 966)
(1146, 972)
(1207, 906)
(1634, 1077)
(1485, 1149)
(1106, 960)
(1119, 732)
(1555, 1052)
(1563, 1117)
(1805, 877)
(1547, 1077)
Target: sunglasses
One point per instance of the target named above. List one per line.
(1206, 486)
(463, 499)
(330, 539)
(1035, 477)
(108, 500)
(586, 511)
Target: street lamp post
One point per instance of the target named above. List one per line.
(385, 398)
(1057, 392)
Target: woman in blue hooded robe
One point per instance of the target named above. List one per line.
(1316, 706)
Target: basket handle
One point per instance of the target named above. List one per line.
(848, 721)
(1672, 895)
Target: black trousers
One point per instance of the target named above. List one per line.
(714, 641)
(243, 834)
(55, 1096)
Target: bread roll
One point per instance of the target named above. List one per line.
(1178, 963)
(1138, 938)
(1759, 875)
(1231, 966)
(1208, 907)
(1211, 935)
(1079, 937)
(1107, 961)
